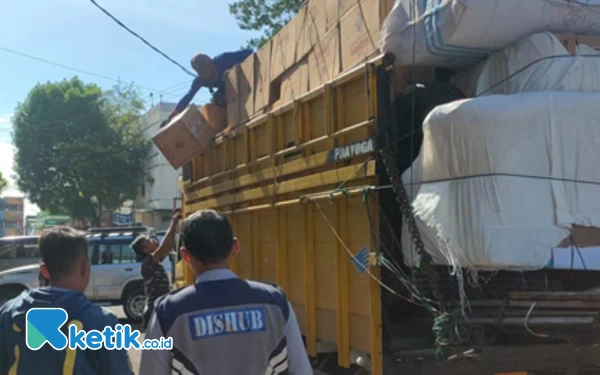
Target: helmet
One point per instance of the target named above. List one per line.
(204, 66)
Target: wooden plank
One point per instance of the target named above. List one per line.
(280, 134)
(375, 291)
(589, 305)
(255, 230)
(246, 145)
(343, 309)
(307, 128)
(192, 188)
(235, 264)
(560, 296)
(299, 165)
(341, 112)
(295, 166)
(282, 250)
(330, 177)
(253, 145)
(297, 117)
(309, 279)
(329, 114)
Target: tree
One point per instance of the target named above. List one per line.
(267, 16)
(3, 183)
(78, 149)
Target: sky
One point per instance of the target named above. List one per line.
(77, 34)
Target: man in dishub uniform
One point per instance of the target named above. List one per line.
(222, 324)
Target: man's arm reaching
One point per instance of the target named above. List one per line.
(168, 242)
(197, 84)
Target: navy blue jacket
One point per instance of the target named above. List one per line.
(14, 354)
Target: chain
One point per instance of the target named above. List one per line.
(424, 260)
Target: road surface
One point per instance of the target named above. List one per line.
(134, 355)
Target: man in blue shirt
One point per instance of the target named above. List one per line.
(210, 75)
(66, 266)
(223, 324)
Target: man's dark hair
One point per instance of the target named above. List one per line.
(207, 236)
(138, 245)
(61, 247)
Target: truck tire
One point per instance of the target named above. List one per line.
(415, 103)
(134, 301)
(9, 292)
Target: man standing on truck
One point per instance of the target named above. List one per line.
(67, 267)
(210, 75)
(223, 325)
(156, 281)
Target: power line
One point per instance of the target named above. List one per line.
(142, 39)
(186, 82)
(71, 68)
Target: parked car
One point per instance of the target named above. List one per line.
(18, 251)
(116, 273)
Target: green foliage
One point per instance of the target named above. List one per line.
(267, 16)
(79, 149)
(3, 182)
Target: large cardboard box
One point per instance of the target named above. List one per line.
(246, 88)
(324, 61)
(337, 9)
(301, 30)
(315, 23)
(360, 29)
(215, 116)
(187, 135)
(233, 96)
(283, 48)
(262, 78)
(294, 82)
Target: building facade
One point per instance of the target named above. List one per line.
(12, 216)
(154, 202)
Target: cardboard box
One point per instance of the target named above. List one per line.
(315, 23)
(215, 116)
(584, 236)
(337, 9)
(283, 48)
(359, 31)
(324, 61)
(302, 47)
(262, 78)
(246, 88)
(187, 135)
(570, 41)
(233, 96)
(294, 82)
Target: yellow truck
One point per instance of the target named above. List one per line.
(311, 186)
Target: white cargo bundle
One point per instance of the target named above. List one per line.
(531, 65)
(506, 177)
(458, 33)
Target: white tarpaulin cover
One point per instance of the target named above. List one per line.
(457, 33)
(482, 215)
(531, 67)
